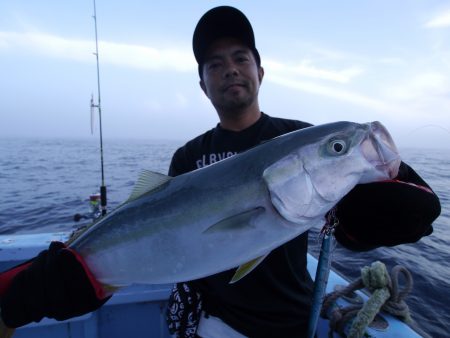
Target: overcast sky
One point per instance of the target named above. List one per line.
(324, 61)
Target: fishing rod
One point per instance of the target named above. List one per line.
(103, 198)
(322, 272)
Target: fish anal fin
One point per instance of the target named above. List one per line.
(244, 269)
(235, 222)
(147, 181)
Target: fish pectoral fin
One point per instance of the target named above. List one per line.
(147, 181)
(235, 222)
(244, 269)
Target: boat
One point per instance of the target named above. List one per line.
(139, 310)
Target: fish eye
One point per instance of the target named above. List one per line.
(338, 147)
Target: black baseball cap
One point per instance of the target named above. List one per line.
(220, 22)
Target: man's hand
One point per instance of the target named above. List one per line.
(56, 284)
(387, 213)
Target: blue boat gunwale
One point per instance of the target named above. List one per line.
(145, 302)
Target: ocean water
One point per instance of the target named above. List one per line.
(45, 182)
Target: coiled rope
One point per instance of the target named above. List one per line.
(386, 296)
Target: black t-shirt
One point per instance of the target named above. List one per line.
(274, 300)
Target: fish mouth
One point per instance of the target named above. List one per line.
(380, 150)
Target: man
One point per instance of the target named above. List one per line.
(278, 291)
(274, 299)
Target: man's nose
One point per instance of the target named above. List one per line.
(230, 70)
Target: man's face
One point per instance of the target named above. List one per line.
(231, 77)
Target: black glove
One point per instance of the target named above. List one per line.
(54, 285)
(387, 213)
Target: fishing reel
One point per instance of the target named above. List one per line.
(95, 209)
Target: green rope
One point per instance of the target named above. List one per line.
(386, 296)
(375, 278)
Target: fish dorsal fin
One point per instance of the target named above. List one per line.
(244, 269)
(147, 181)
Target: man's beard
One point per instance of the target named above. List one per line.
(233, 107)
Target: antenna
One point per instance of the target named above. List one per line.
(99, 107)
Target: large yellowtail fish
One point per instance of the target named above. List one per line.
(234, 212)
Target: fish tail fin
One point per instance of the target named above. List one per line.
(109, 289)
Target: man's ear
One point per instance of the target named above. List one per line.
(260, 74)
(203, 86)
